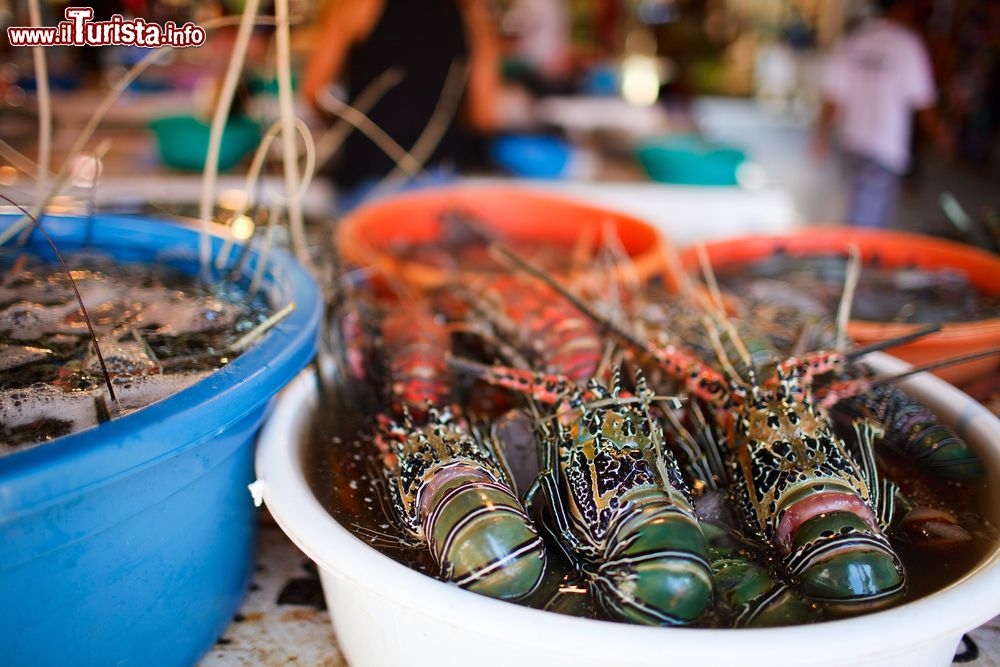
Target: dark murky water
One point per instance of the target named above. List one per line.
(815, 284)
(346, 479)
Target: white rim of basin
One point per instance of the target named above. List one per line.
(948, 613)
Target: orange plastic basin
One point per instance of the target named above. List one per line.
(368, 235)
(892, 249)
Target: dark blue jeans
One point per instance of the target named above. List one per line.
(874, 192)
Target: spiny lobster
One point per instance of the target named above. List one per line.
(448, 487)
(611, 496)
(910, 427)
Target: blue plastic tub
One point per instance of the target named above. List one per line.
(132, 543)
(532, 156)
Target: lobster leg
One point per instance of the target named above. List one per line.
(883, 491)
(702, 381)
(546, 388)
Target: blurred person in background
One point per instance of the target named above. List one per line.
(420, 39)
(542, 43)
(874, 83)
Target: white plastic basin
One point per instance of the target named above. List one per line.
(386, 614)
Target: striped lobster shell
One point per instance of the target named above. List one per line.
(448, 491)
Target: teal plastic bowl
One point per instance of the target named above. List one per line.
(183, 141)
(689, 160)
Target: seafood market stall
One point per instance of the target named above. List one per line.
(396, 338)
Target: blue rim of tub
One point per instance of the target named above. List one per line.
(98, 454)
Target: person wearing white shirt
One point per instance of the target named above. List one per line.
(874, 83)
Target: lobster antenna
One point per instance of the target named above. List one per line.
(613, 244)
(799, 348)
(14, 270)
(714, 306)
(583, 249)
(409, 164)
(673, 260)
(253, 178)
(982, 354)
(430, 137)
(220, 114)
(607, 359)
(262, 255)
(473, 368)
(851, 277)
(710, 281)
(246, 340)
(506, 351)
(720, 306)
(654, 427)
(19, 160)
(330, 141)
(290, 152)
(695, 452)
(612, 294)
(578, 303)
(892, 342)
(399, 287)
(361, 122)
(741, 347)
(76, 291)
(720, 352)
(44, 106)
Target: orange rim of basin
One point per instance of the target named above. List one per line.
(365, 237)
(893, 249)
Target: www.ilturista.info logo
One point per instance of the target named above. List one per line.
(79, 30)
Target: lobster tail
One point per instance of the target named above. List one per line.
(754, 598)
(840, 559)
(449, 493)
(655, 570)
(913, 430)
(746, 589)
(480, 536)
